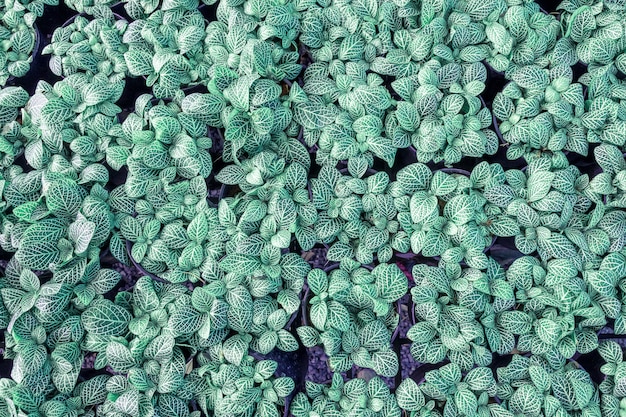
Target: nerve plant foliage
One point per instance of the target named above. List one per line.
(282, 128)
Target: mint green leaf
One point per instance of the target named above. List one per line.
(103, 318)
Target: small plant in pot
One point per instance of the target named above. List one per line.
(28, 351)
(180, 61)
(453, 313)
(11, 138)
(263, 292)
(165, 189)
(276, 194)
(89, 45)
(442, 215)
(542, 111)
(167, 240)
(346, 205)
(611, 388)
(446, 391)
(354, 319)
(608, 186)
(363, 211)
(357, 135)
(268, 328)
(250, 386)
(18, 38)
(167, 145)
(518, 35)
(536, 204)
(254, 115)
(445, 119)
(168, 326)
(555, 331)
(605, 92)
(71, 124)
(354, 397)
(88, 6)
(67, 222)
(351, 44)
(591, 27)
(529, 386)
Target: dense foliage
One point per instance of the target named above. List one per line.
(332, 125)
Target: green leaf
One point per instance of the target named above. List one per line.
(548, 331)
(540, 377)
(374, 336)
(185, 320)
(558, 246)
(234, 349)
(160, 348)
(338, 316)
(318, 314)
(231, 175)
(64, 198)
(93, 391)
(317, 281)
(284, 386)
(239, 92)
(368, 125)
(539, 184)
(442, 184)
(351, 48)
(480, 379)
(526, 400)
(39, 247)
(119, 357)
(531, 77)
(459, 210)
(609, 158)
(240, 264)
(466, 402)
(611, 352)
(103, 318)
(139, 62)
(189, 37)
(81, 232)
(517, 322)
(504, 226)
(198, 229)
(391, 283)
(308, 336)
(423, 206)
(409, 396)
(202, 106)
(293, 267)
(314, 115)
(13, 97)
(385, 363)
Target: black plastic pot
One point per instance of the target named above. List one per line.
(29, 81)
(316, 256)
(227, 191)
(504, 146)
(419, 375)
(304, 303)
(504, 251)
(209, 11)
(139, 267)
(134, 87)
(53, 17)
(294, 365)
(592, 362)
